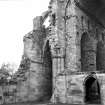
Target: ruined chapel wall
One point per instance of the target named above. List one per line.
(75, 88)
(36, 75)
(95, 32)
(86, 41)
(77, 24)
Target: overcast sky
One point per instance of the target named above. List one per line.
(15, 21)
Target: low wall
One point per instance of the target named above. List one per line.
(70, 88)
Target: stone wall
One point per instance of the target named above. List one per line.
(83, 34)
(60, 57)
(75, 88)
(34, 79)
(38, 77)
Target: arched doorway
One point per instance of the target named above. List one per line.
(92, 91)
(47, 61)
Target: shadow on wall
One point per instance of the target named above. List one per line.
(47, 59)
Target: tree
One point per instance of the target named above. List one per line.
(7, 70)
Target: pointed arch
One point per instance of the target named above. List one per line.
(88, 55)
(100, 56)
(84, 40)
(92, 90)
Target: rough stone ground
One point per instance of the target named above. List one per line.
(32, 103)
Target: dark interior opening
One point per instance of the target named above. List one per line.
(100, 56)
(92, 91)
(84, 52)
(53, 19)
(88, 53)
(48, 71)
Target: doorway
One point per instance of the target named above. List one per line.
(92, 91)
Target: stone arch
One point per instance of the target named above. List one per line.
(92, 90)
(88, 53)
(47, 65)
(100, 56)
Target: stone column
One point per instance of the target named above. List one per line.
(58, 68)
(103, 92)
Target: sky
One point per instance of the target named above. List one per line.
(16, 20)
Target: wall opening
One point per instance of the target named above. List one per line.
(92, 91)
(88, 55)
(53, 19)
(48, 71)
(100, 57)
(84, 52)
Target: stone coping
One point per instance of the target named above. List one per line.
(79, 73)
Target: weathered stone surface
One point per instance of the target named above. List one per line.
(100, 56)
(63, 62)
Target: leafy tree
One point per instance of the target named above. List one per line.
(7, 70)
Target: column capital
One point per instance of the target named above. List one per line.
(58, 52)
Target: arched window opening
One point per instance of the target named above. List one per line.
(92, 91)
(83, 41)
(88, 55)
(100, 57)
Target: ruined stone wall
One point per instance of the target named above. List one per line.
(83, 35)
(35, 82)
(37, 77)
(84, 43)
(75, 88)
(61, 56)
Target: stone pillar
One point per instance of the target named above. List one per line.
(103, 91)
(58, 68)
(72, 54)
(59, 58)
(71, 47)
(58, 47)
